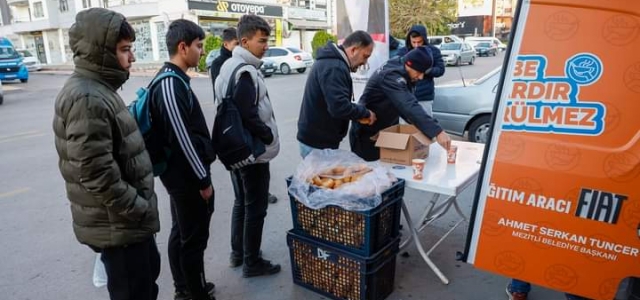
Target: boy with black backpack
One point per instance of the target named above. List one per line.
(246, 139)
(180, 138)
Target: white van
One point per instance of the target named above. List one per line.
(475, 39)
(437, 40)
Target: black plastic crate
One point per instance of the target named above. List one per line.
(361, 232)
(341, 275)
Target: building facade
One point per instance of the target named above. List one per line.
(43, 25)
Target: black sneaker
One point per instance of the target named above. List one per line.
(235, 261)
(186, 295)
(262, 267)
(272, 198)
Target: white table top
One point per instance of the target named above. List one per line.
(441, 177)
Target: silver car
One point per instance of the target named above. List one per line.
(458, 53)
(461, 108)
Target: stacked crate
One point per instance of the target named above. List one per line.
(346, 255)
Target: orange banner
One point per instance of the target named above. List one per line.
(559, 199)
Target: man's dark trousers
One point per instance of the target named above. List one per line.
(191, 216)
(132, 271)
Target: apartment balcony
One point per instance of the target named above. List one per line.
(18, 2)
(36, 25)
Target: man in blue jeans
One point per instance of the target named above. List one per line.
(518, 290)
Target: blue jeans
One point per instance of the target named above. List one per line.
(305, 150)
(518, 286)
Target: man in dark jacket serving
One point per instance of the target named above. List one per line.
(327, 104)
(389, 94)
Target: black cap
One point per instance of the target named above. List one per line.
(419, 59)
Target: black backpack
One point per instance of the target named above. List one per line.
(235, 146)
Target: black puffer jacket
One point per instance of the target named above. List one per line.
(102, 156)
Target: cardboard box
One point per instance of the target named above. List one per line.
(399, 144)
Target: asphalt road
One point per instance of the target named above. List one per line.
(41, 259)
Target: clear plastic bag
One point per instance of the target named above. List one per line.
(99, 273)
(363, 194)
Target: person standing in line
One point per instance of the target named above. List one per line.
(229, 42)
(102, 157)
(250, 182)
(183, 139)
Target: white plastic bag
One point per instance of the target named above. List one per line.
(361, 195)
(99, 273)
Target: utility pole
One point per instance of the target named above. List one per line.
(494, 18)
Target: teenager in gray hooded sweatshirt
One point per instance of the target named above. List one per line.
(251, 182)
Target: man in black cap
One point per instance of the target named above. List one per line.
(389, 94)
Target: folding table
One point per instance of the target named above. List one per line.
(446, 182)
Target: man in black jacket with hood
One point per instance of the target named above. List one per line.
(389, 94)
(327, 104)
(425, 93)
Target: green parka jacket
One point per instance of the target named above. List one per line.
(102, 157)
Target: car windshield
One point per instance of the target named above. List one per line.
(25, 53)
(295, 50)
(8, 52)
(451, 46)
(487, 45)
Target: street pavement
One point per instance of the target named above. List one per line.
(41, 259)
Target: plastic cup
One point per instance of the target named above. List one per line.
(418, 168)
(452, 154)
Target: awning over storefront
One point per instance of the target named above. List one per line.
(306, 24)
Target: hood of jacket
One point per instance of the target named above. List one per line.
(332, 51)
(93, 39)
(247, 56)
(420, 29)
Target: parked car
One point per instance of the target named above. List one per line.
(30, 61)
(268, 67)
(485, 49)
(496, 42)
(461, 109)
(213, 54)
(458, 53)
(290, 58)
(438, 40)
(11, 65)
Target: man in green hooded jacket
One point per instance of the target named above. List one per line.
(102, 157)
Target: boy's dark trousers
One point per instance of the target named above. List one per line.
(191, 216)
(132, 270)
(251, 187)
